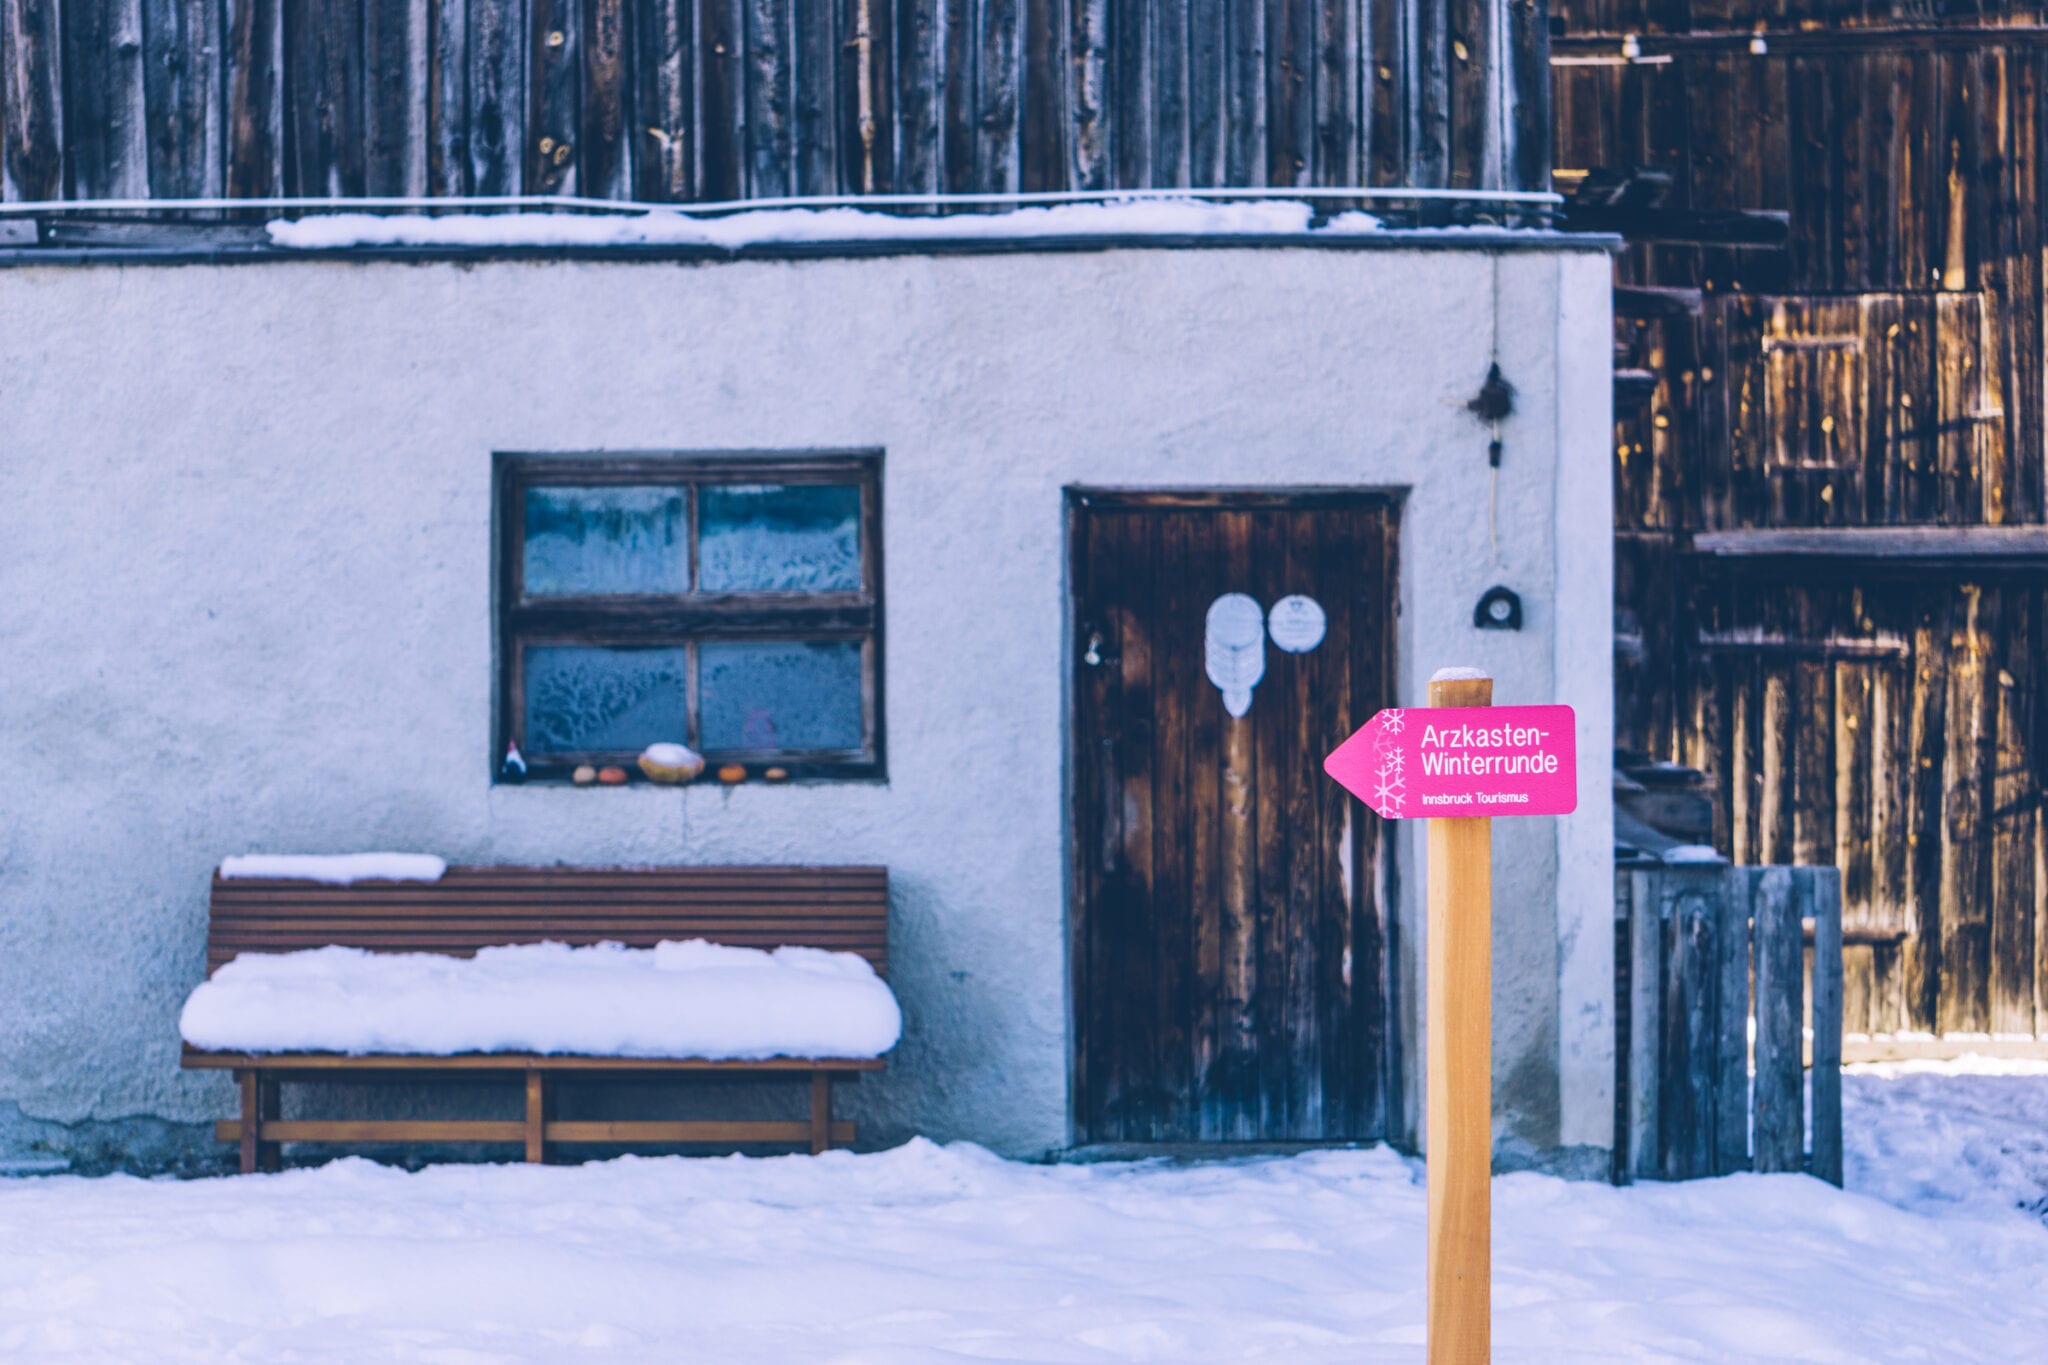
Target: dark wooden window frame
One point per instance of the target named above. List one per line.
(689, 618)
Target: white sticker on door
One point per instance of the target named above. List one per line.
(1234, 649)
(1297, 623)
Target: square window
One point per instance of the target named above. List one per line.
(730, 604)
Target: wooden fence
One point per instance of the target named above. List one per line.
(724, 99)
(1712, 988)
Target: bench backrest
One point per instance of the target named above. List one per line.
(843, 908)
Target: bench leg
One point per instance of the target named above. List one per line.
(259, 1104)
(821, 1111)
(536, 1117)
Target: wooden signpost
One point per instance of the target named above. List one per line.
(1458, 763)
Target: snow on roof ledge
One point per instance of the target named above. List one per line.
(1152, 217)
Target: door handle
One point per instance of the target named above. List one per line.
(1093, 655)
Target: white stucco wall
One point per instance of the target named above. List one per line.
(245, 543)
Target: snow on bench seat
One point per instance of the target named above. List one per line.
(678, 999)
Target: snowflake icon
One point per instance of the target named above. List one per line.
(1392, 722)
(1390, 789)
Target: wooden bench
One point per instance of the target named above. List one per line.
(840, 908)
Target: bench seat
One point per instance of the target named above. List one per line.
(838, 908)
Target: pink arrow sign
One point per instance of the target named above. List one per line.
(1413, 762)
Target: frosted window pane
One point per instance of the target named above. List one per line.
(780, 694)
(779, 537)
(604, 540)
(581, 698)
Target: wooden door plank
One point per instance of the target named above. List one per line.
(1274, 737)
(1136, 947)
(1178, 680)
(1732, 1003)
(1205, 847)
(2015, 787)
(1826, 906)
(1233, 1087)
(1965, 831)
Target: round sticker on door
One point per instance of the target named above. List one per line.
(1234, 649)
(1296, 624)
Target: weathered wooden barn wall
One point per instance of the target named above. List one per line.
(1884, 369)
(709, 100)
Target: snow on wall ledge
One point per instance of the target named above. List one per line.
(330, 231)
(294, 649)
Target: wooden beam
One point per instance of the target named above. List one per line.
(1652, 301)
(821, 1111)
(1742, 228)
(1899, 549)
(1633, 389)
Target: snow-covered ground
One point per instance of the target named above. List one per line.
(947, 1254)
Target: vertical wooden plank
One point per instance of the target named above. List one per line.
(1206, 578)
(664, 129)
(958, 53)
(1102, 881)
(1130, 92)
(1827, 1026)
(1274, 772)
(255, 98)
(821, 1112)
(1892, 772)
(324, 142)
(447, 97)
(497, 96)
(1244, 93)
(605, 163)
(721, 159)
(103, 99)
(917, 95)
(2014, 791)
(1780, 948)
(1234, 1085)
(1777, 801)
(1926, 744)
(536, 1116)
(395, 47)
(1813, 746)
(1178, 683)
(1089, 104)
(555, 97)
(1208, 32)
(996, 76)
(1469, 69)
(1387, 113)
(181, 61)
(866, 98)
(1687, 1137)
(1290, 93)
(1428, 76)
(251, 1121)
(815, 98)
(1965, 830)
(1336, 160)
(768, 142)
(1526, 158)
(31, 101)
(1731, 1026)
(1646, 1023)
(1137, 950)
(1169, 90)
(1042, 150)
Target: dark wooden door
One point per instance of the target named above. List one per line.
(1229, 947)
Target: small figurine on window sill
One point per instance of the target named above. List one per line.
(513, 769)
(671, 763)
